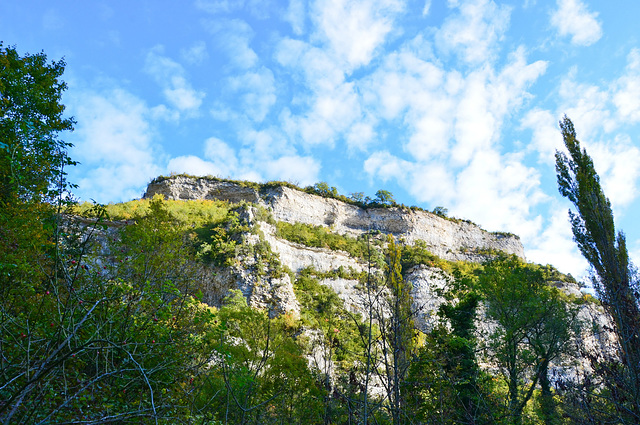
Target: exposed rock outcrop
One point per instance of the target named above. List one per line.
(447, 238)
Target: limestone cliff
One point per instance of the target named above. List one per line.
(447, 238)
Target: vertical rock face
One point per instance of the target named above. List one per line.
(447, 238)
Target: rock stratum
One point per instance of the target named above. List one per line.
(450, 239)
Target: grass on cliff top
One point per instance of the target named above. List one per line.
(196, 212)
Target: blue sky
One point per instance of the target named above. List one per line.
(451, 103)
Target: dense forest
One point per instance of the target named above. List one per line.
(102, 318)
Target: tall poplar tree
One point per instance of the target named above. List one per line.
(605, 249)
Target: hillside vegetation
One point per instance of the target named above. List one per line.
(103, 319)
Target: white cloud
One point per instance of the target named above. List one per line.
(474, 32)
(487, 100)
(433, 182)
(354, 29)
(262, 158)
(330, 114)
(233, 37)
(555, 245)
(320, 71)
(114, 144)
(386, 166)
(500, 192)
(221, 155)
(196, 54)
(587, 105)
(293, 168)
(546, 138)
(360, 135)
(170, 76)
(257, 92)
(192, 165)
(426, 7)
(572, 18)
(296, 15)
(627, 89)
(618, 164)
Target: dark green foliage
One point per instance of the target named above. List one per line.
(322, 309)
(100, 321)
(441, 211)
(534, 326)
(396, 332)
(32, 157)
(447, 385)
(323, 189)
(357, 197)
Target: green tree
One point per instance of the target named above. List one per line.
(258, 373)
(447, 384)
(533, 328)
(323, 189)
(32, 157)
(614, 277)
(395, 319)
(357, 197)
(110, 336)
(32, 161)
(385, 197)
(441, 211)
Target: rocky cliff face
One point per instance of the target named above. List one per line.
(454, 240)
(449, 239)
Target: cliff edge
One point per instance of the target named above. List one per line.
(450, 239)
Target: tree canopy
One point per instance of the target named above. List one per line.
(32, 155)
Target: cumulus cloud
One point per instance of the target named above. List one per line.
(296, 16)
(360, 135)
(573, 19)
(354, 29)
(546, 137)
(386, 166)
(618, 164)
(500, 192)
(294, 168)
(114, 144)
(233, 37)
(554, 244)
(472, 33)
(626, 95)
(596, 112)
(426, 7)
(171, 77)
(257, 92)
(196, 54)
(193, 165)
(588, 106)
